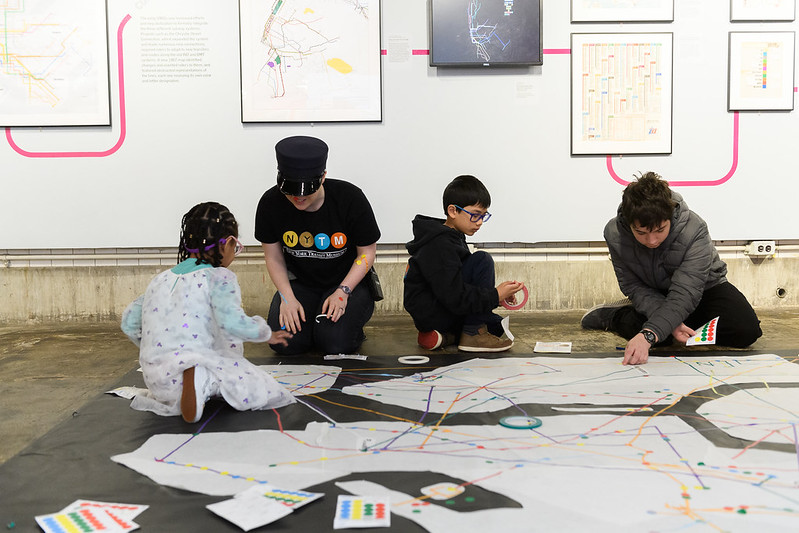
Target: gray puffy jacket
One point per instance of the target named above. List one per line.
(666, 283)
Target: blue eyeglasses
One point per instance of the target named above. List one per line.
(474, 217)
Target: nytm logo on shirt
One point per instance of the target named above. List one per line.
(321, 241)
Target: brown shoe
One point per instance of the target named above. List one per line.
(483, 342)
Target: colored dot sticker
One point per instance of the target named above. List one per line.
(704, 335)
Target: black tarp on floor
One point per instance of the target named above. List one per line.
(72, 461)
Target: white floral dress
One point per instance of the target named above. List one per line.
(192, 316)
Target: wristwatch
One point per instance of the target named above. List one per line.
(346, 290)
(649, 336)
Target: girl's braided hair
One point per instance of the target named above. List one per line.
(203, 231)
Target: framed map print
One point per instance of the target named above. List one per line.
(310, 60)
(54, 63)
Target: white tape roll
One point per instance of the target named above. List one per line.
(413, 359)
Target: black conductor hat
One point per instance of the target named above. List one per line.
(301, 164)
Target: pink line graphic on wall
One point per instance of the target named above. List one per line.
(708, 183)
(426, 51)
(122, 122)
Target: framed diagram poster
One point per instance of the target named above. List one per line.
(621, 93)
(310, 61)
(54, 64)
(622, 10)
(761, 71)
(762, 10)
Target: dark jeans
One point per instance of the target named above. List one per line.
(738, 325)
(477, 269)
(344, 336)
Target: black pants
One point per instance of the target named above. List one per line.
(478, 270)
(344, 336)
(738, 325)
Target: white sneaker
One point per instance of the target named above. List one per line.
(195, 393)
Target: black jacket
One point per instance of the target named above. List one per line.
(435, 293)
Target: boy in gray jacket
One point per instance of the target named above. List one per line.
(670, 272)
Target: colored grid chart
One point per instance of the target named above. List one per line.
(83, 521)
(359, 511)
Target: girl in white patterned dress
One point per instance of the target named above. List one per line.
(190, 327)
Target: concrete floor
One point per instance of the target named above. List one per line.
(48, 371)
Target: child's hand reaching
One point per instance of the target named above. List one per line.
(280, 337)
(507, 291)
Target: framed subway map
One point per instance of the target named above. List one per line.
(54, 63)
(310, 61)
(621, 93)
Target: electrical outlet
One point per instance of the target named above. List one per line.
(761, 248)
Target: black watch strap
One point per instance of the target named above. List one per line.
(649, 336)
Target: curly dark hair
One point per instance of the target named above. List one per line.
(647, 201)
(202, 231)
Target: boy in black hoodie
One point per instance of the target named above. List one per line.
(450, 291)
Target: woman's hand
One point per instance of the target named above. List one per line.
(335, 305)
(292, 315)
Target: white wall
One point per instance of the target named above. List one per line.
(185, 142)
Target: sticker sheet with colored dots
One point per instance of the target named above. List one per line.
(704, 335)
(362, 511)
(85, 516)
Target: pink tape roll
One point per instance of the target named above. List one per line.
(512, 307)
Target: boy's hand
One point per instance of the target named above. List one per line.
(291, 315)
(682, 333)
(637, 351)
(507, 289)
(280, 337)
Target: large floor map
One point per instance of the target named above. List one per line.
(694, 444)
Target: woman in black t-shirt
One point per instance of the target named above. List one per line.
(319, 238)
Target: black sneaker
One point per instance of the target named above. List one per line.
(600, 316)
